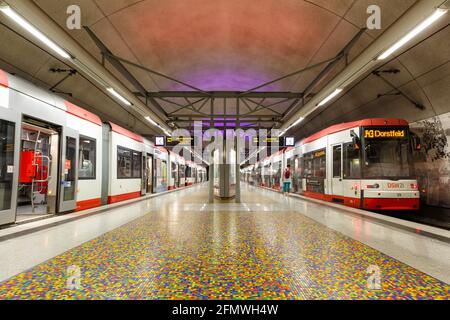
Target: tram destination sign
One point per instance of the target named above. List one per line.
(384, 133)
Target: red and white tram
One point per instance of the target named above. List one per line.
(56, 157)
(363, 164)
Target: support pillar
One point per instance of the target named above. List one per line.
(238, 165)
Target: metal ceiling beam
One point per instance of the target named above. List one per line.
(328, 68)
(107, 54)
(367, 60)
(224, 94)
(398, 91)
(242, 117)
(133, 64)
(226, 121)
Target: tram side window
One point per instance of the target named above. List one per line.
(352, 164)
(137, 165)
(129, 165)
(308, 166)
(182, 170)
(188, 172)
(174, 168)
(87, 159)
(319, 167)
(337, 151)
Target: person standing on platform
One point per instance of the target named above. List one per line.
(287, 180)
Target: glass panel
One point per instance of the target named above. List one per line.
(276, 169)
(124, 163)
(7, 136)
(164, 173)
(298, 174)
(149, 174)
(337, 161)
(174, 170)
(188, 172)
(267, 176)
(352, 166)
(161, 175)
(315, 171)
(69, 170)
(87, 158)
(182, 171)
(137, 164)
(129, 164)
(387, 158)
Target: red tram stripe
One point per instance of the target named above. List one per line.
(369, 203)
(127, 133)
(81, 113)
(88, 204)
(4, 79)
(123, 197)
(347, 201)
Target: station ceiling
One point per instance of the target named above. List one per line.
(237, 45)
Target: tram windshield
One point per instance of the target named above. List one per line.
(387, 154)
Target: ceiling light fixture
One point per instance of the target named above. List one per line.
(291, 126)
(297, 122)
(31, 29)
(331, 96)
(414, 32)
(118, 96)
(151, 121)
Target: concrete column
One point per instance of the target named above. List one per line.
(238, 169)
(211, 166)
(211, 182)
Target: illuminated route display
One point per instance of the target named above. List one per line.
(385, 133)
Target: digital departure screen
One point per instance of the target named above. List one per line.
(182, 141)
(385, 133)
(272, 141)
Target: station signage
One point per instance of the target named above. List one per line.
(178, 141)
(289, 142)
(384, 133)
(160, 141)
(181, 141)
(272, 141)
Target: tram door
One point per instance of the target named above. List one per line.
(144, 175)
(148, 173)
(9, 164)
(337, 184)
(69, 173)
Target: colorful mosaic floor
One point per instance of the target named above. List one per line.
(189, 251)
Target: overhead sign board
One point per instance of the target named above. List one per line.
(272, 141)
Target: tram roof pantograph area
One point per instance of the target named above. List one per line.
(224, 150)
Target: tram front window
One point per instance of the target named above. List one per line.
(387, 158)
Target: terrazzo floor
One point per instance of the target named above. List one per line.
(186, 249)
